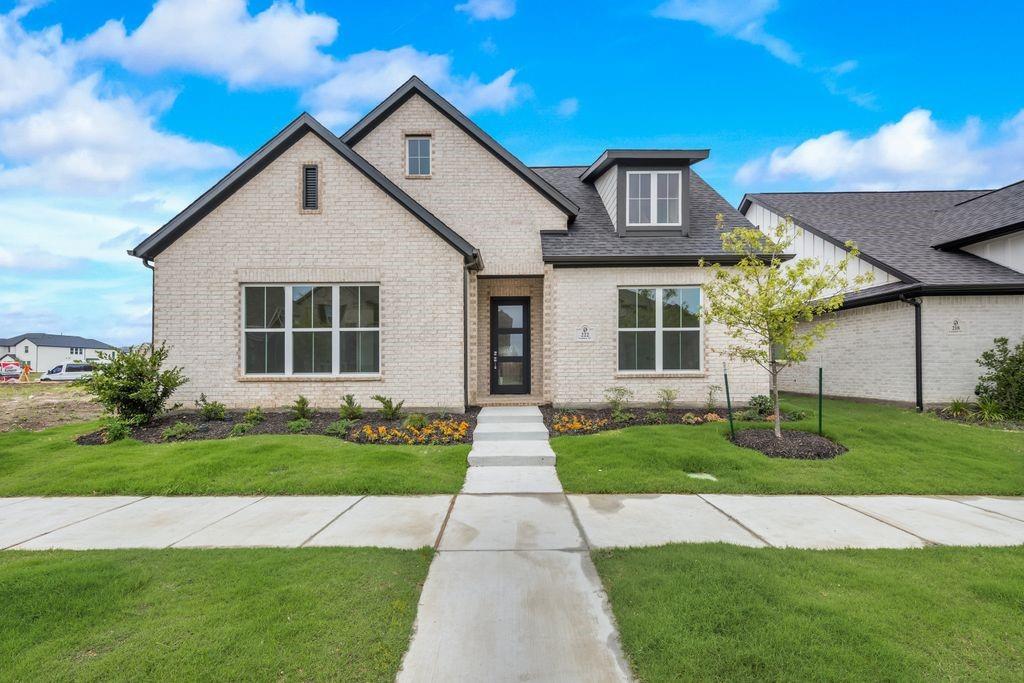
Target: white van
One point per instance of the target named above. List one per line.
(65, 372)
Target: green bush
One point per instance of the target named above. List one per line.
(389, 410)
(658, 417)
(179, 430)
(241, 429)
(300, 410)
(762, 405)
(989, 410)
(959, 408)
(350, 410)
(115, 430)
(210, 410)
(711, 401)
(666, 397)
(1003, 382)
(617, 398)
(299, 425)
(131, 385)
(254, 415)
(416, 421)
(340, 428)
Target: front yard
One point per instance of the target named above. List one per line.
(718, 612)
(208, 614)
(891, 450)
(50, 463)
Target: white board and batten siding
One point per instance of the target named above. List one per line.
(606, 188)
(809, 245)
(1007, 250)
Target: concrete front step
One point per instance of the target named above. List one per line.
(510, 414)
(511, 453)
(513, 431)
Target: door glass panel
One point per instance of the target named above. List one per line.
(510, 315)
(510, 373)
(510, 344)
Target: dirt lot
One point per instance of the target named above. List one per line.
(37, 405)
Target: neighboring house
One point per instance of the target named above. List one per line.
(43, 351)
(415, 257)
(949, 278)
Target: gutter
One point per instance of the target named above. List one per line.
(575, 261)
(918, 364)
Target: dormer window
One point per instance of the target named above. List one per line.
(652, 198)
(417, 156)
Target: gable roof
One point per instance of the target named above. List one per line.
(894, 231)
(57, 340)
(414, 86)
(591, 239)
(260, 159)
(983, 217)
(653, 157)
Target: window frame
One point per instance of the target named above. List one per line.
(289, 329)
(409, 137)
(653, 199)
(659, 330)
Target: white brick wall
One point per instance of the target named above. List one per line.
(361, 234)
(473, 192)
(581, 371)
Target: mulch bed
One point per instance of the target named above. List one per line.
(793, 444)
(639, 415)
(276, 422)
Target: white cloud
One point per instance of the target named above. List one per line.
(32, 65)
(568, 107)
(488, 9)
(831, 78)
(912, 153)
(364, 79)
(741, 19)
(279, 46)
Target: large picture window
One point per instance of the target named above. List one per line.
(312, 329)
(652, 198)
(659, 329)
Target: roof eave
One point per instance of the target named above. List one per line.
(982, 236)
(595, 261)
(610, 157)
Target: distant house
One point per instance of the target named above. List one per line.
(43, 351)
(949, 278)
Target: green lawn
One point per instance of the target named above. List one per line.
(892, 450)
(50, 463)
(718, 612)
(309, 614)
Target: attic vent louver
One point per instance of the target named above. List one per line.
(310, 190)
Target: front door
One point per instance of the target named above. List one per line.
(510, 345)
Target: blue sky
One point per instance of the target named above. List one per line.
(115, 115)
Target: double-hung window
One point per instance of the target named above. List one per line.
(314, 329)
(659, 329)
(652, 198)
(417, 153)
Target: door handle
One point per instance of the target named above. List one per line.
(495, 360)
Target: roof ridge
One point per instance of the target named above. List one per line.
(985, 191)
(998, 189)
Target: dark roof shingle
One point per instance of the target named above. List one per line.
(981, 217)
(57, 340)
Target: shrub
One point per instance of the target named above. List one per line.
(300, 410)
(416, 420)
(116, 430)
(711, 400)
(210, 410)
(1003, 381)
(241, 429)
(658, 417)
(435, 432)
(958, 408)
(761, 404)
(617, 398)
(567, 423)
(179, 430)
(666, 397)
(299, 425)
(350, 410)
(691, 419)
(131, 385)
(254, 415)
(989, 410)
(340, 428)
(713, 417)
(389, 410)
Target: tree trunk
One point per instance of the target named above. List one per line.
(775, 399)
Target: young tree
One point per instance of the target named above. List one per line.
(764, 298)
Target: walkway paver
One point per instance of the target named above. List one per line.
(512, 479)
(29, 518)
(388, 522)
(1011, 507)
(611, 520)
(940, 520)
(810, 522)
(519, 522)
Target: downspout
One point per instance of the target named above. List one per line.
(918, 363)
(152, 303)
(465, 337)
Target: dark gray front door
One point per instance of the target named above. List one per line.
(510, 345)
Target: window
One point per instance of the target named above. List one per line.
(652, 197)
(26, 349)
(310, 187)
(417, 153)
(76, 351)
(311, 329)
(659, 329)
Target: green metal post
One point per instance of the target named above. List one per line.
(820, 402)
(728, 400)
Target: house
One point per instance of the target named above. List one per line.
(949, 278)
(43, 351)
(415, 257)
